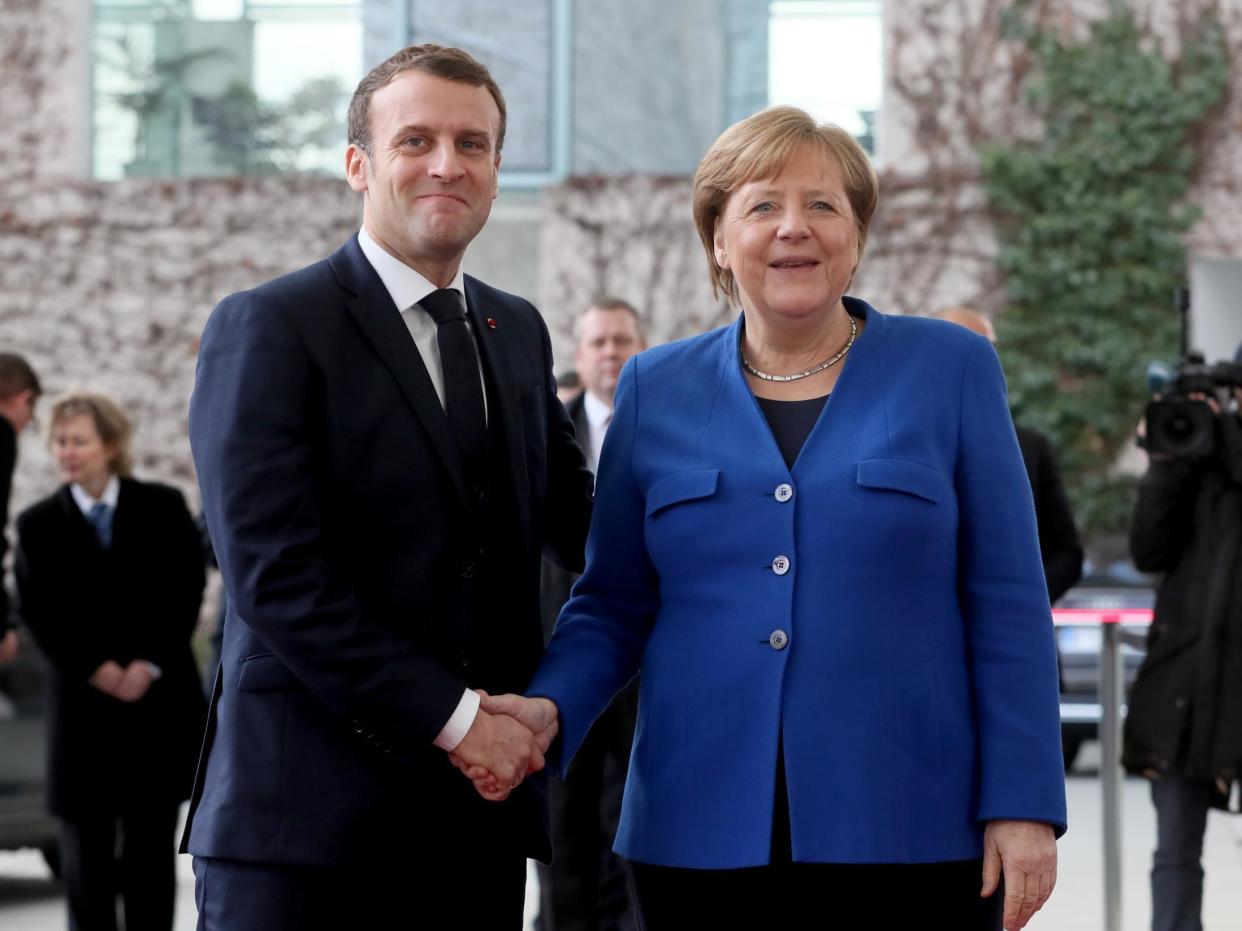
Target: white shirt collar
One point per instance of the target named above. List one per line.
(406, 286)
(598, 413)
(109, 497)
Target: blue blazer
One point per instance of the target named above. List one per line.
(889, 617)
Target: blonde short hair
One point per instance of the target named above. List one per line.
(113, 427)
(760, 146)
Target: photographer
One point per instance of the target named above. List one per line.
(1184, 726)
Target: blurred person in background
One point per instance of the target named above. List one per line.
(1183, 727)
(814, 542)
(19, 393)
(584, 888)
(1059, 544)
(110, 577)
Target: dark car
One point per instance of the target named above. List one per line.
(1079, 617)
(24, 821)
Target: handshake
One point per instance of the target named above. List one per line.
(506, 743)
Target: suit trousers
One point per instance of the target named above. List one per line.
(143, 875)
(1177, 866)
(480, 889)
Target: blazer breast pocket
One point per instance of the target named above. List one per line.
(677, 487)
(263, 672)
(681, 515)
(905, 476)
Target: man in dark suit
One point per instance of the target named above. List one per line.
(19, 393)
(382, 459)
(584, 888)
(1058, 536)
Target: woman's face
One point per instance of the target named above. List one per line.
(791, 241)
(80, 454)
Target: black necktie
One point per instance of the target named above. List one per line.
(463, 391)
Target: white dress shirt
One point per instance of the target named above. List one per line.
(112, 491)
(599, 416)
(407, 287)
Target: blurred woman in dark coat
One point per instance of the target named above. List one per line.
(110, 575)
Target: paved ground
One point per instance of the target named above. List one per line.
(31, 901)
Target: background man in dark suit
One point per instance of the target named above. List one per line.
(382, 459)
(1058, 536)
(19, 392)
(584, 888)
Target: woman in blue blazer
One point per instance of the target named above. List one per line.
(814, 540)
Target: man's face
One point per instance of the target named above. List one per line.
(19, 409)
(431, 177)
(606, 339)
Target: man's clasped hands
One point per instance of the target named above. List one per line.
(506, 743)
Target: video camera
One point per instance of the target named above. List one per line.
(1178, 425)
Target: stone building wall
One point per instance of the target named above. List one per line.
(108, 285)
(951, 82)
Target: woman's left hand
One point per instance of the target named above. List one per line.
(1027, 853)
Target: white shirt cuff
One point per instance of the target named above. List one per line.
(460, 722)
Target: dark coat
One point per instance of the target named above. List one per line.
(1185, 708)
(1058, 537)
(8, 460)
(365, 593)
(139, 599)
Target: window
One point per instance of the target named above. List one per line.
(186, 88)
(825, 56)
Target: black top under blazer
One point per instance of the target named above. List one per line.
(84, 604)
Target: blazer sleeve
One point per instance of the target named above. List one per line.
(567, 507)
(182, 580)
(1058, 535)
(604, 627)
(1004, 601)
(253, 431)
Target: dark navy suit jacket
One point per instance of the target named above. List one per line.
(335, 500)
(881, 605)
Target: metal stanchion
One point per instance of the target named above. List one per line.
(1112, 684)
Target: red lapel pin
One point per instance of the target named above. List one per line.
(491, 323)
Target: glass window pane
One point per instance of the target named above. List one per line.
(188, 88)
(825, 56)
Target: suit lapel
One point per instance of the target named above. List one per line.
(582, 424)
(76, 521)
(380, 321)
(494, 350)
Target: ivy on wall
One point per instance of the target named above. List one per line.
(1091, 219)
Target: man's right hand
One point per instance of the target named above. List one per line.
(538, 715)
(502, 747)
(8, 646)
(107, 678)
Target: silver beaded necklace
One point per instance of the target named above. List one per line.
(827, 363)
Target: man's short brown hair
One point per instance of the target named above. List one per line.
(17, 376)
(608, 302)
(437, 60)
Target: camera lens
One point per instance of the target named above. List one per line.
(1179, 427)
